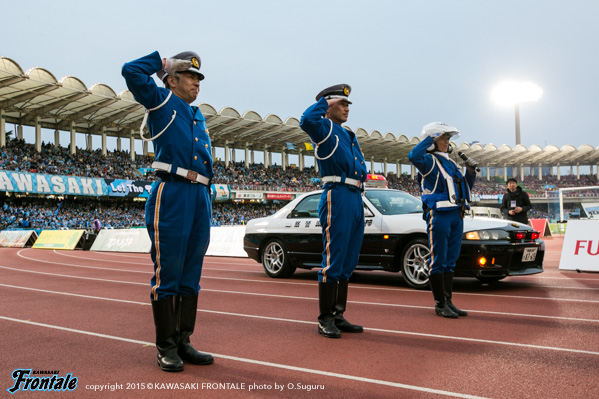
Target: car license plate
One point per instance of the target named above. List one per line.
(529, 254)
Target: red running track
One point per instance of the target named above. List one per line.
(88, 314)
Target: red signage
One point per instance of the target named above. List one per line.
(277, 196)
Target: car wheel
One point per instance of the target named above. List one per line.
(489, 280)
(275, 260)
(415, 261)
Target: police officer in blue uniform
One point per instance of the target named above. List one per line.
(445, 197)
(341, 211)
(178, 210)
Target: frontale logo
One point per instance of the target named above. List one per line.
(24, 381)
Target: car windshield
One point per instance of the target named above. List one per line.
(394, 202)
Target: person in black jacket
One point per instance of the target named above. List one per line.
(515, 204)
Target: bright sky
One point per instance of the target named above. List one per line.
(409, 62)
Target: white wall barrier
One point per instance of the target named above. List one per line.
(224, 241)
(581, 246)
(122, 240)
(17, 238)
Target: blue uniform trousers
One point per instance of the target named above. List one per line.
(445, 229)
(178, 221)
(341, 213)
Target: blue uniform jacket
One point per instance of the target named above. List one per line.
(424, 163)
(185, 143)
(347, 160)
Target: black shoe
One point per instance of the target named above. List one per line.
(327, 295)
(328, 329)
(166, 335)
(445, 311)
(186, 309)
(340, 322)
(441, 307)
(448, 284)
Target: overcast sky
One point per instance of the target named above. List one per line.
(409, 62)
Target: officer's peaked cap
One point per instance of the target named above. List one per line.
(196, 63)
(338, 91)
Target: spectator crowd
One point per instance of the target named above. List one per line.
(54, 214)
(39, 213)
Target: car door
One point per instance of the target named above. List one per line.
(303, 232)
(370, 254)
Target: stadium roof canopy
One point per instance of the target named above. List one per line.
(36, 96)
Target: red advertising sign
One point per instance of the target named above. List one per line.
(581, 246)
(277, 196)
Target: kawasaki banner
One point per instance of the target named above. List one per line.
(35, 183)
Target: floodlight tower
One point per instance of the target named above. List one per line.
(516, 93)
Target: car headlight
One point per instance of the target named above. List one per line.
(486, 235)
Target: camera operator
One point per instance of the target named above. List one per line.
(516, 203)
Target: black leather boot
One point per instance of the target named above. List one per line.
(340, 322)
(166, 335)
(438, 288)
(448, 281)
(327, 296)
(186, 315)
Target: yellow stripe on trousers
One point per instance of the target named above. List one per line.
(328, 233)
(430, 244)
(157, 240)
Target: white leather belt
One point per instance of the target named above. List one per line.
(187, 174)
(337, 179)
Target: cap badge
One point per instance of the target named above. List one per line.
(194, 62)
(346, 91)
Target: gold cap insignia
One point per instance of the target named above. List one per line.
(194, 62)
(346, 91)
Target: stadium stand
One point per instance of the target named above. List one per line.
(54, 213)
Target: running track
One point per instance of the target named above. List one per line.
(88, 313)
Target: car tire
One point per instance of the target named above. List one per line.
(415, 261)
(275, 260)
(489, 280)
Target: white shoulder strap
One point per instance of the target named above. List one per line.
(425, 191)
(325, 139)
(145, 120)
(450, 184)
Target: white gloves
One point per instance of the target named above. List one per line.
(173, 65)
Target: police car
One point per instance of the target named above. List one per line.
(395, 240)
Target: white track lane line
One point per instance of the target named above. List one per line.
(259, 266)
(314, 299)
(448, 337)
(255, 271)
(354, 286)
(263, 363)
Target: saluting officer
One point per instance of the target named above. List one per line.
(445, 197)
(178, 210)
(341, 211)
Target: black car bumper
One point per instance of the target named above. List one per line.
(490, 259)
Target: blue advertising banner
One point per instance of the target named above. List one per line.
(36, 183)
(220, 192)
(128, 188)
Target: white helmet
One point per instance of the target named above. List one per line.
(436, 129)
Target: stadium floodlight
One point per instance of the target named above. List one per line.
(516, 93)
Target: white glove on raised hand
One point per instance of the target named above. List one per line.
(173, 65)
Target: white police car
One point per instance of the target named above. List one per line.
(394, 240)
